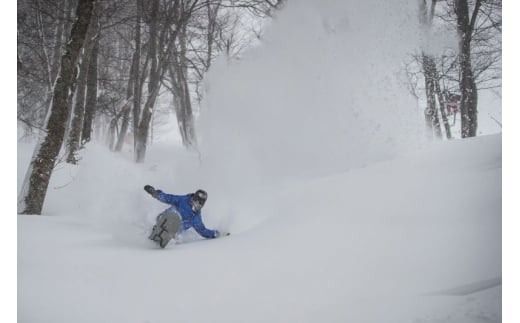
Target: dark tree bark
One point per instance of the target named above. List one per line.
(40, 169)
(82, 85)
(467, 85)
(133, 87)
(91, 98)
(213, 10)
(442, 103)
(431, 113)
(56, 52)
(179, 77)
(78, 111)
(428, 64)
(141, 134)
(138, 89)
(144, 125)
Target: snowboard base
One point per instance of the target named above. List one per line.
(166, 228)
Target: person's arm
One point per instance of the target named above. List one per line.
(202, 230)
(161, 196)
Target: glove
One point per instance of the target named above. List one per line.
(149, 189)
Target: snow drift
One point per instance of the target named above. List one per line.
(305, 152)
(390, 242)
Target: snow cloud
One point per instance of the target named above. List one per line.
(323, 93)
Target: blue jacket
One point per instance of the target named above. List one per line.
(190, 219)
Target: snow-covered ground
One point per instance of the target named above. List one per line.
(311, 151)
(413, 239)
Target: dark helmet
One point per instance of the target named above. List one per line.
(198, 199)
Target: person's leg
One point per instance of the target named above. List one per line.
(167, 225)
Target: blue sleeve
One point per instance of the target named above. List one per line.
(201, 229)
(167, 198)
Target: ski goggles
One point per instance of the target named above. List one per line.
(198, 199)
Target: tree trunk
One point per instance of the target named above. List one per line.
(46, 58)
(183, 109)
(45, 61)
(442, 104)
(178, 72)
(126, 112)
(431, 113)
(78, 111)
(56, 53)
(159, 58)
(144, 126)
(141, 135)
(429, 69)
(91, 99)
(78, 114)
(40, 169)
(112, 133)
(188, 122)
(467, 85)
(137, 80)
(212, 10)
(133, 87)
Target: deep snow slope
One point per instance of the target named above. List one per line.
(414, 239)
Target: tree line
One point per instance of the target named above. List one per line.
(452, 79)
(84, 64)
(88, 66)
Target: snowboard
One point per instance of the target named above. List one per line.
(166, 228)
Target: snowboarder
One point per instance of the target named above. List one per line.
(183, 214)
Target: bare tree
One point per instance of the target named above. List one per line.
(33, 193)
(141, 132)
(475, 65)
(428, 64)
(260, 8)
(214, 28)
(91, 96)
(468, 87)
(41, 25)
(161, 44)
(139, 47)
(431, 77)
(178, 72)
(78, 111)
